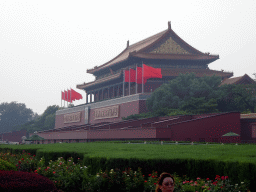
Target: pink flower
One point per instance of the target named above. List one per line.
(207, 179)
(198, 178)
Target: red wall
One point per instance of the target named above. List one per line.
(207, 128)
(14, 136)
(122, 134)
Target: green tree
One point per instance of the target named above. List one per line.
(45, 121)
(186, 93)
(14, 114)
(237, 98)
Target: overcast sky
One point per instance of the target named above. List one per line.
(47, 46)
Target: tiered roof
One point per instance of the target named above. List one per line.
(245, 79)
(165, 73)
(164, 45)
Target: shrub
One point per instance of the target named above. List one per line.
(4, 165)
(18, 181)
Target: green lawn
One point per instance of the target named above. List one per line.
(241, 153)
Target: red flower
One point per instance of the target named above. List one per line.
(22, 159)
(222, 177)
(207, 179)
(35, 171)
(226, 177)
(19, 162)
(53, 172)
(149, 175)
(145, 181)
(154, 183)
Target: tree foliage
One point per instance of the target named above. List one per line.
(194, 95)
(14, 114)
(45, 121)
(186, 93)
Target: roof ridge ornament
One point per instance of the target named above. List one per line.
(169, 25)
(127, 43)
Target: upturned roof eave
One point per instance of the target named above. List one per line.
(92, 71)
(99, 81)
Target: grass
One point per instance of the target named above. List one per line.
(241, 153)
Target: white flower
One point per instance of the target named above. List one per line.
(85, 167)
(242, 182)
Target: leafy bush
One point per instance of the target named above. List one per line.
(4, 165)
(16, 181)
(66, 175)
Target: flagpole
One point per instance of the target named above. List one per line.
(64, 98)
(67, 94)
(136, 86)
(142, 78)
(129, 80)
(70, 95)
(123, 81)
(61, 99)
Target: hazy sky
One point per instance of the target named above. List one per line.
(47, 46)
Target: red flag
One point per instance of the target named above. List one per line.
(139, 75)
(76, 95)
(150, 72)
(69, 96)
(66, 95)
(63, 95)
(131, 75)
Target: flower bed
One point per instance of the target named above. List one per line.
(67, 175)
